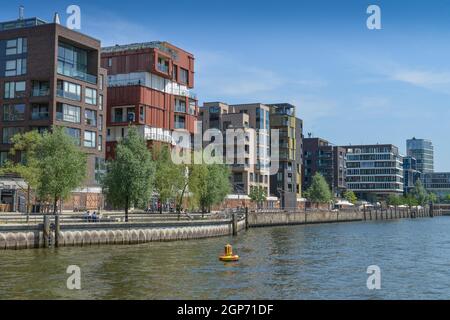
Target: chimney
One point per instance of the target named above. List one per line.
(56, 18)
(21, 11)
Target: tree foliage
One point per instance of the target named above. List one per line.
(129, 178)
(319, 191)
(209, 184)
(62, 166)
(170, 178)
(420, 194)
(350, 196)
(258, 195)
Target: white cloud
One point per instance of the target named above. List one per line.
(436, 81)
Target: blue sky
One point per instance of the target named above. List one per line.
(350, 84)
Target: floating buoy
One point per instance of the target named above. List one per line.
(229, 256)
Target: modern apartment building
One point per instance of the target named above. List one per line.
(50, 75)
(253, 171)
(374, 171)
(287, 183)
(150, 87)
(320, 156)
(423, 151)
(410, 173)
(437, 183)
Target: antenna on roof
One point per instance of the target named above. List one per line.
(56, 18)
(309, 134)
(21, 12)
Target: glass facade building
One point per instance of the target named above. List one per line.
(423, 151)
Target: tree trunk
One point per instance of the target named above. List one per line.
(55, 204)
(126, 209)
(28, 203)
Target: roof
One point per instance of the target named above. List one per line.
(21, 23)
(160, 45)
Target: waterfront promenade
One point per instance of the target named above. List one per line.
(72, 230)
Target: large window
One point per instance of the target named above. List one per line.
(10, 132)
(90, 117)
(184, 76)
(13, 112)
(68, 113)
(15, 89)
(89, 139)
(91, 96)
(39, 111)
(72, 62)
(16, 46)
(69, 90)
(16, 67)
(75, 134)
(100, 102)
(40, 88)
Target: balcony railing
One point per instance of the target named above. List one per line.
(40, 92)
(76, 74)
(68, 95)
(39, 116)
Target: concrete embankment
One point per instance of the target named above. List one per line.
(86, 234)
(265, 219)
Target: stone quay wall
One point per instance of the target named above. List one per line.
(17, 237)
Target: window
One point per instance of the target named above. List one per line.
(91, 96)
(100, 102)
(68, 113)
(163, 65)
(100, 143)
(100, 169)
(89, 139)
(110, 62)
(16, 46)
(15, 90)
(75, 134)
(100, 122)
(13, 112)
(184, 76)
(10, 132)
(3, 157)
(101, 81)
(117, 115)
(142, 114)
(90, 117)
(175, 73)
(40, 88)
(180, 106)
(179, 122)
(15, 67)
(39, 112)
(192, 105)
(69, 90)
(72, 62)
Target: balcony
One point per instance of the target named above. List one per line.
(76, 74)
(39, 116)
(68, 95)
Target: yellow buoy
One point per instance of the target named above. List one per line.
(229, 256)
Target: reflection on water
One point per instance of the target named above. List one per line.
(298, 262)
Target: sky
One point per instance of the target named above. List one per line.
(351, 85)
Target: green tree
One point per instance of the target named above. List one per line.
(129, 178)
(209, 184)
(319, 191)
(350, 196)
(419, 193)
(25, 145)
(394, 200)
(169, 177)
(62, 166)
(410, 200)
(432, 197)
(258, 195)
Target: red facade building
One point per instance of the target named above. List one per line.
(150, 87)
